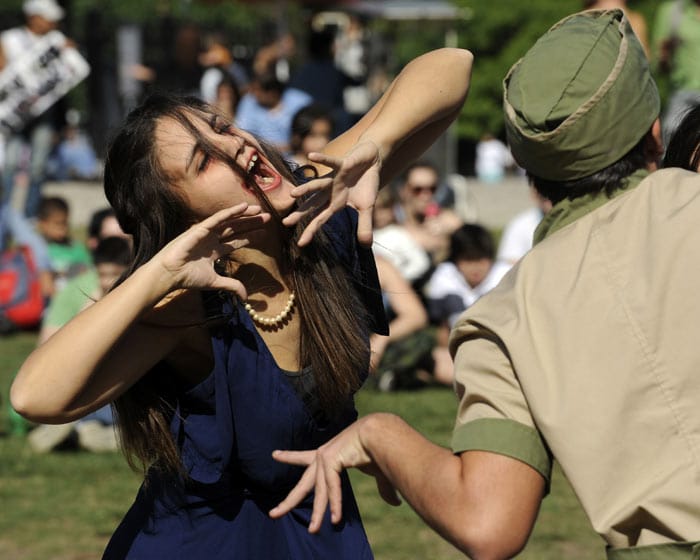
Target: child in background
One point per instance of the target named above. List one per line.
(470, 271)
(312, 129)
(94, 282)
(110, 258)
(94, 432)
(68, 258)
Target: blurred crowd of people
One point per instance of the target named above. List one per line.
(433, 263)
(444, 263)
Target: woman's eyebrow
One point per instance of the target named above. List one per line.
(198, 145)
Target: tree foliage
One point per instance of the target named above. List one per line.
(499, 33)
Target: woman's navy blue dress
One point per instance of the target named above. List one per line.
(226, 428)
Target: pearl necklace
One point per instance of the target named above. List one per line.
(275, 321)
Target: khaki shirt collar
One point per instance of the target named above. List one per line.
(567, 211)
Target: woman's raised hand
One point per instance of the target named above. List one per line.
(354, 182)
(189, 259)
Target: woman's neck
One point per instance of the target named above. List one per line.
(261, 265)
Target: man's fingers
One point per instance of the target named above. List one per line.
(335, 492)
(296, 495)
(320, 501)
(301, 458)
(387, 491)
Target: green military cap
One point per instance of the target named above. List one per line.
(581, 97)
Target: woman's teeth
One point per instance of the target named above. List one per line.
(252, 162)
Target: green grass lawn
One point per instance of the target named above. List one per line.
(64, 506)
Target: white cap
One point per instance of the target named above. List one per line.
(48, 9)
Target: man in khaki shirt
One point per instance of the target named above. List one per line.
(587, 351)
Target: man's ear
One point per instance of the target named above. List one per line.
(654, 146)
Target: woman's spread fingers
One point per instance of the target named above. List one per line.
(230, 285)
(310, 230)
(218, 218)
(387, 491)
(227, 246)
(293, 219)
(314, 185)
(239, 216)
(316, 202)
(324, 214)
(297, 494)
(318, 199)
(364, 227)
(252, 210)
(328, 161)
(243, 224)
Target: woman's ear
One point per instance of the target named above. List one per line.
(654, 146)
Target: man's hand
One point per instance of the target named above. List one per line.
(322, 475)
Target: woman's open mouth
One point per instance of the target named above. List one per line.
(265, 177)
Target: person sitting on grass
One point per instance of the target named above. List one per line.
(470, 271)
(69, 258)
(397, 357)
(95, 432)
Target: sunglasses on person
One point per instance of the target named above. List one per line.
(418, 189)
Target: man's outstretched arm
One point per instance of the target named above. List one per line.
(483, 503)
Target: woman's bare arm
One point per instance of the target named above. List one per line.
(101, 352)
(419, 105)
(423, 100)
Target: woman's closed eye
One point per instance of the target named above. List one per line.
(204, 162)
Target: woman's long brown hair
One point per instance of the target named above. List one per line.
(334, 322)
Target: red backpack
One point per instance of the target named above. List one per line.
(21, 300)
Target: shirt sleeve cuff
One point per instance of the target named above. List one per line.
(505, 437)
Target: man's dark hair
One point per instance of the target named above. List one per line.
(472, 242)
(113, 250)
(268, 81)
(607, 180)
(95, 225)
(51, 204)
(682, 150)
(303, 121)
(418, 165)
